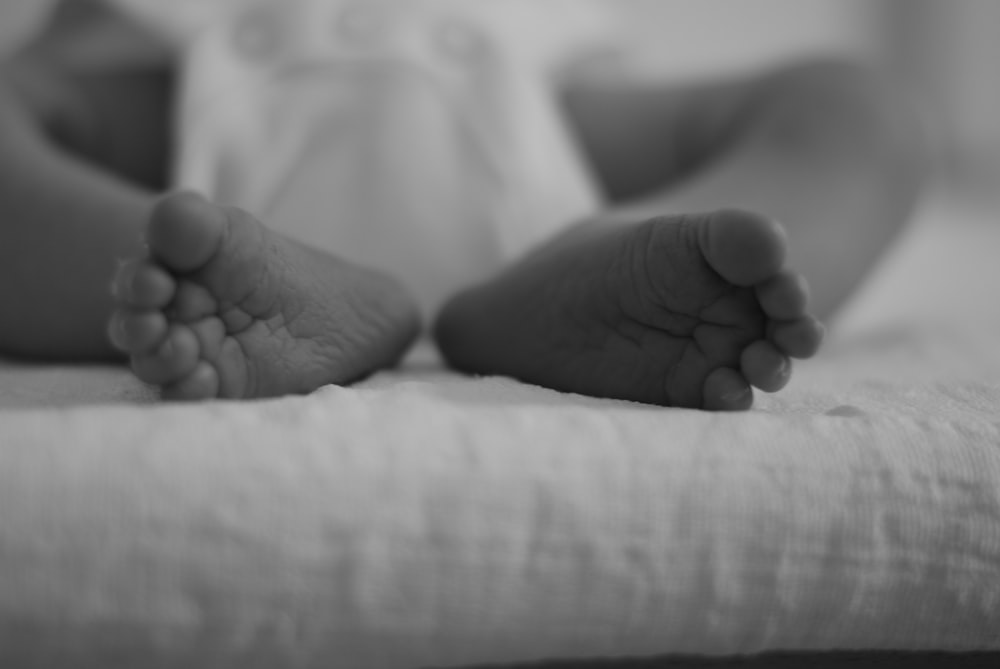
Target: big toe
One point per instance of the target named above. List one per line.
(742, 247)
(185, 231)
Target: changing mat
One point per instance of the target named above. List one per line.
(425, 519)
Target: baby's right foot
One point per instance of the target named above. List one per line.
(685, 311)
(223, 307)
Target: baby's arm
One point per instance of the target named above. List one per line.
(66, 216)
(826, 148)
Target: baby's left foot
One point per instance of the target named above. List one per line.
(688, 311)
(224, 307)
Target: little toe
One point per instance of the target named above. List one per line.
(784, 296)
(800, 338)
(143, 285)
(201, 384)
(137, 332)
(742, 247)
(174, 359)
(726, 390)
(765, 367)
(185, 231)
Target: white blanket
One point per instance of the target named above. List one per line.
(425, 519)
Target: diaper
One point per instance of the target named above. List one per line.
(419, 137)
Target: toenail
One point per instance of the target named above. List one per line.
(736, 395)
(784, 366)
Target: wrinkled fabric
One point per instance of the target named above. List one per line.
(427, 519)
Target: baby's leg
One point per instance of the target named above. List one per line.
(829, 149)
(64, 217)
(223, 307)
(693, 309)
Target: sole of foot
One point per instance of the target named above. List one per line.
(689, 311)
(222, 307)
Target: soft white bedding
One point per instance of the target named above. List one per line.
(424, 519)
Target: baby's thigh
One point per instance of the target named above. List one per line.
(119, 121)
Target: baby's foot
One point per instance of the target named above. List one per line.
(685, 311)
(223, 307)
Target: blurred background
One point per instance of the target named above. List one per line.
(945, 52)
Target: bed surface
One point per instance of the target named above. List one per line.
(426, 519)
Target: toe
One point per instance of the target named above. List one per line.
(800, 338)
(765, 367)
(137, 332)
(235, 378)
(784, 296)
(174, 359)
(211, 335)
(201, 384)
(192, 302)
(726, 390)
(743, 247)
(143, 285)
(185, 231)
